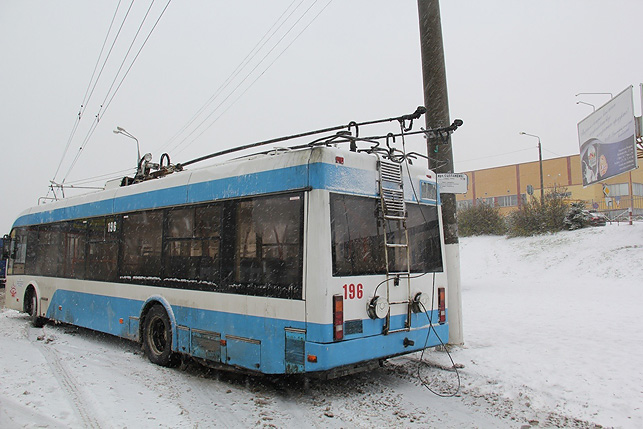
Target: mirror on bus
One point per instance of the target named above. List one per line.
(6, 246)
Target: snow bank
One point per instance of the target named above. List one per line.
(554, 321)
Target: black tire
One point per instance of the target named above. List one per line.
(157, 338)
(36, 321)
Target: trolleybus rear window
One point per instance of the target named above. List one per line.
(358, 240)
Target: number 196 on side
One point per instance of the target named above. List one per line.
(352, 291)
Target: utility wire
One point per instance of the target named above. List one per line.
(111, 48)
(496, 155)
(237, 87)
(249, 57)
(83, 104)
(101, 177)
(507, 153)
(129, 50)
(137, 54)
(86, 98)
(95, 123)
(260, 75)
(106, 106)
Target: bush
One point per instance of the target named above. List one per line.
(577, 217)
(535, 218)
(481, 219)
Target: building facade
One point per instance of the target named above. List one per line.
(507, 187)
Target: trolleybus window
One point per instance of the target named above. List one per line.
(142, 237)
(358, 242)
(424, 238)
(192, 245)
(76, 239)
(31, 247)
(18, 251)
(49, 258)
(102, 251)
(357, 246)
(269, 244)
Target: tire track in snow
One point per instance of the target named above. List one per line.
(289, 404)
(66, 381)
(198, 397)
(203, 398)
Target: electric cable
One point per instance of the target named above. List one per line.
(93, 179)
(111, 48)
(89, 85)
(416, 198)
(106, 106)
(422, 361)
(248, 58)
(97, 117)
(85, 101)
(497, 155)
(428, 315)
(129, 49)
(136, 56)
(238, 85)
(258, 77)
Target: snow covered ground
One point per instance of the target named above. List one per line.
(555, 322)
(553, 339)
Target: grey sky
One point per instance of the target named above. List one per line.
(511, 66)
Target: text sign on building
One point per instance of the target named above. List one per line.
(607, 139)
(453, 183)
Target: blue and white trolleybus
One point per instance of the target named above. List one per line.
(308, 260)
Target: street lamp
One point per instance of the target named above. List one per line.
(589, 104)
(540, 161)
(120, 130)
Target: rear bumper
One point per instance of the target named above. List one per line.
(377, 347)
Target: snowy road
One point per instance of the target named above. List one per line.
(62, 376)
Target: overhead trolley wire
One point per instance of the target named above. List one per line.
(239, 84)
(83, 104)
(137, 54)
(106, 103)
(97, 117)
(249, 74)
(129, 49)
(262, 73)
(111, 48)
(100, 73)
(249, 57)
(102, 177)
(109, 30)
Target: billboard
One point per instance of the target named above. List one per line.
(607, 139)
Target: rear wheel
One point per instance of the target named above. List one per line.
(157, 338)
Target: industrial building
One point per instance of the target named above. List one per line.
(510, 186)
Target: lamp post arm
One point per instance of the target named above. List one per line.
(124, 132)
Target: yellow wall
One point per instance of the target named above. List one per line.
(563, 172)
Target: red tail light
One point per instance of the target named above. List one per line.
(442, 312)
(338, 317)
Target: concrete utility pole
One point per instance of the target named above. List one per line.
(540, 162)
(439, 150)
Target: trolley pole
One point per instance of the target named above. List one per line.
(440, 151)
